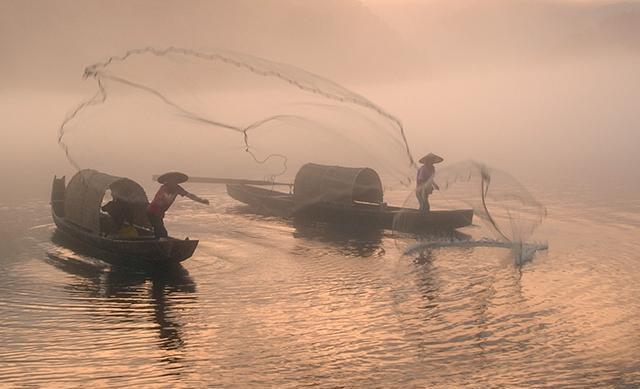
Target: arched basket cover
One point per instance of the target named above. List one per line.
(336, 184)
(84, 194)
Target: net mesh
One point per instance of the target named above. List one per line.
(230, 109)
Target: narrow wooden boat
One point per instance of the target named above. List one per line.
(76, 211)
(346, 196)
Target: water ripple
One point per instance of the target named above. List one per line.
(267, 302)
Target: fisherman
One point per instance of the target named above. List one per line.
(120, 212)
(163, 199)
(424, 181)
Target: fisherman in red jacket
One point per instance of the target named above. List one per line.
(163, 199)
(424, 181)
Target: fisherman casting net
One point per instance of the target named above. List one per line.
(505, 212)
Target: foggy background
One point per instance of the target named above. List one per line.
(546, 90)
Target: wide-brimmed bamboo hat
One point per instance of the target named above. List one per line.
(173, 178)
(431, 157)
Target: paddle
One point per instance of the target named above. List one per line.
(220, 180)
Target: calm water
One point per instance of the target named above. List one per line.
(267, 303)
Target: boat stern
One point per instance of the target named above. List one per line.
(176, 250)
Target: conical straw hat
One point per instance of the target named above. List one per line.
(173, 177)
(431, 157)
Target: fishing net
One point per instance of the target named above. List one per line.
(226, 114)
(505, 213)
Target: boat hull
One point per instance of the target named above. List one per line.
(148, 249)
(361, 214)
(144, 249)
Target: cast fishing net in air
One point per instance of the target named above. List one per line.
(226, 114)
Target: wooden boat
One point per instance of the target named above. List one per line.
(346, 196)
(76, 211)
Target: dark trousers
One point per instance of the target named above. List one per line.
(157, 223)
(423, 200)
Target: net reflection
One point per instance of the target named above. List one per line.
(126, 296)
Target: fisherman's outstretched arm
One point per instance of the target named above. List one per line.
(196, 198)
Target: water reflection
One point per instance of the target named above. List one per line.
(426, 282)
(351, 240)
(124, 294)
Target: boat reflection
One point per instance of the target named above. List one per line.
(120, 292)
(350, 240)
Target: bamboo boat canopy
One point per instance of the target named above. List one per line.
(336, 184)
(85, 193)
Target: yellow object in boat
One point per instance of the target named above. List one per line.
(127, 232)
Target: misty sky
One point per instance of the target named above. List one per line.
(527, 86)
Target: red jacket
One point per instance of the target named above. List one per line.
(163, 199)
